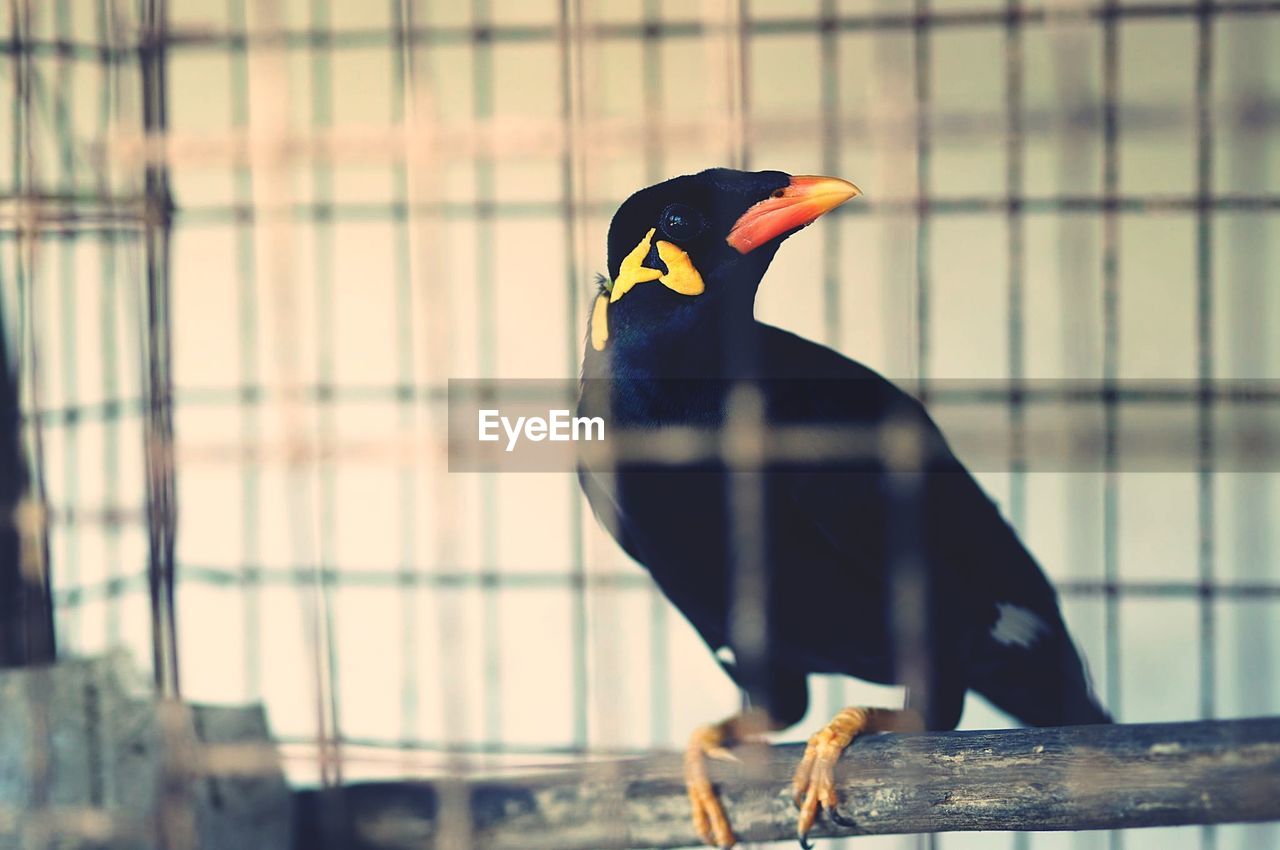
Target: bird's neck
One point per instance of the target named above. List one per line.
(714, 349)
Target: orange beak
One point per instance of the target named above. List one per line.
(799, 204)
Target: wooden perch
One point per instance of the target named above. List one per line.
(1085, 777)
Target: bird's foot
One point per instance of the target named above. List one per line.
(709, 819)
(814, 784)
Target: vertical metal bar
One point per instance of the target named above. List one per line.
(1015, 258)
(912, 594)
(603, 601)
(1015, 136)
(247, 335)
(834, 234)
(162, 509)
(724, 36)
(19, 105)
(485, 343)
(829, 43)
(923, 68)
(1205, 352)
(109, 353)
(70, 497)
(1110, 351)
(322, 182)
(572, 199)
(272, 213)
(423, 172)
(659, 614)
(1111, 332)
(739, 25)
(175, 825)
(750, 631)
(1075, 238)
(910, 591)
(407, 504)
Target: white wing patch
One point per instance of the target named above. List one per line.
(726, 657)
(1017, 626)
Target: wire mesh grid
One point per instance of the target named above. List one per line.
(246, 244)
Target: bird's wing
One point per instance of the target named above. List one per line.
(853, 499)
(986, 584)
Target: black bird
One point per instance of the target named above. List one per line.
(828, 545)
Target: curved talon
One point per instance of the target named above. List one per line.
(722, 754)
(814, 784)
(805, 842)
(841, 820)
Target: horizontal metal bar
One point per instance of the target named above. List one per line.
(395, 750)
(73, 225)
(995, 204)
(543, 138)
(350, 576)
(361, 37)
(1224, 393)
(1085, 588)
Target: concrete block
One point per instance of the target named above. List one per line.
(90, 759)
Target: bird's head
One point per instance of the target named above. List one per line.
(686, 255)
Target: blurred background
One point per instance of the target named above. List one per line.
(244, 245)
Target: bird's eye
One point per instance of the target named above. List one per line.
(681, 223)
(777, 193)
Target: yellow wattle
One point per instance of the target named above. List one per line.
(600, 322)
(632, 270)
(681, 276)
